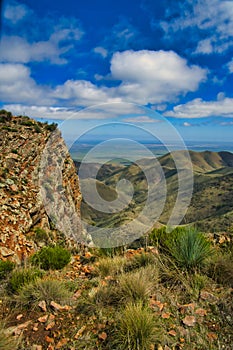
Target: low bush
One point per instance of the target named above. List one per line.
(54, 258)
(21, 277)
(5, 267)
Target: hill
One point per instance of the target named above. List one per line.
(211, 205)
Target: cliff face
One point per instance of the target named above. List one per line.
(23, 210)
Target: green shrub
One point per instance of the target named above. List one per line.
(21, 277)
(51, 127)
(190, 249)
(40, 235)
(37, 129)
(5, 268)
(54, 258)
(136, 328)
(44, 289)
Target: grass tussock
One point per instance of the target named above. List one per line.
(43, 289)
(137, 328)
(129, 287)
(190, 249)
(7, 342)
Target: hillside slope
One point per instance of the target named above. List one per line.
(212, 200)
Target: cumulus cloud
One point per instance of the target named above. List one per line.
(146, 77)
(199, 108)
(84, 93)
(18, 86)
(213, 18)
(154, 76)
(18, 49)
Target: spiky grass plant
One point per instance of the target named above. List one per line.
(111, 266)
(137, 328)
(7, 342)
(44, 289)
(190, 249)
(129, 287)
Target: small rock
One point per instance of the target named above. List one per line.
(80, 332)
(35, 327)
(14, 188)
(18, 317)
(48, 339)
(5, 252)
(172, 332)
(201, 312)
(61, 343)
(42, 305)
(189, 321)
(50, 325)
(43, 319)
(207, 296)
(59, 307)
(56, 306)
(103, 336)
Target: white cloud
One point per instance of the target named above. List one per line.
(15, 12)
(17, 86)
(101, 51)
(97, 112)
(154, 76)
(230, 66)
(201, 109)
(204, 46)
(18, 49)
(146, 77)
(141, 119)
(186, 124)
(84, 93)
(213, 17)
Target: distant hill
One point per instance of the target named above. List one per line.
(211, 207)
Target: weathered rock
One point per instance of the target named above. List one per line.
(22, 206)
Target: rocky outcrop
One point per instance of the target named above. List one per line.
(23, 146)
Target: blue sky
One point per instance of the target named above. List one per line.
(173, 57)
